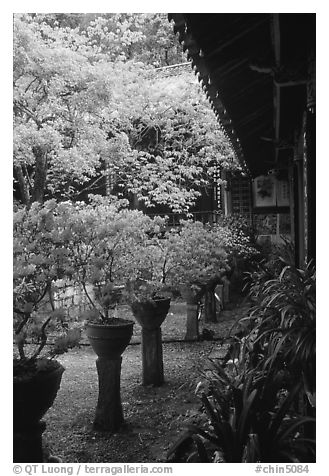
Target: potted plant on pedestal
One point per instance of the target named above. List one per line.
(101, 239)
(150, 305)
(149, 297)
(38, 263)
(197, 258)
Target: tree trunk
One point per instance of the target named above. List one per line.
(23, 186)
(109, 414)
(40, 175)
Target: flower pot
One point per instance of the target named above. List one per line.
(151, 314)
(110, 340)
(33, 395)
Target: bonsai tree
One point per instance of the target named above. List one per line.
(38, 261)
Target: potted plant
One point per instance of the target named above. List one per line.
(149, 297)
(38, 263)
(102, 239)
(99, 238)
(197, 258)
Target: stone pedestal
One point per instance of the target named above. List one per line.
(28, 443)
(152, 356)
(192, 323)
(150, 315)
(109, 414)
(210, 306)
(226, 290)
(192, 296)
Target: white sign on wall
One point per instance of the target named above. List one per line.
(268, 191)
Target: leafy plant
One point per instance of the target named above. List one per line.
(38, 262)
(255, 407)
(285, 323)
(248, 421)
(195, 254)
(112, 252)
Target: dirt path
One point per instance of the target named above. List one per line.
(153, 416)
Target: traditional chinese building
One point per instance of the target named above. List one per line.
(258, 72)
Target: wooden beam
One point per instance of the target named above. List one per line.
(243, 32)
(277, 38)
(288, 83)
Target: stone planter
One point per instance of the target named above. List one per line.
(109, 342)
(150, 315)
(33, 395)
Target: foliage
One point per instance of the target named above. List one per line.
(247, 422)
(38, 262)
(110, 250)
(107, 247)
(256, 408)
(198, 253)
(237, 244)
(146, 37)
(286, 326)
(269, 265)
(90, 119)
(194, 254)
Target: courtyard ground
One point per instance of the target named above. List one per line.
(154, 416)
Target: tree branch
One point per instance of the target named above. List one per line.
(26, 315)
(90, 300)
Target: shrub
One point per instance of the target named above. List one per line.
(39, 260)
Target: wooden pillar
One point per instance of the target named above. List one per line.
(291, 202)
(109, 414)
(305, 196)
(299, 203)
(152, 356)
(310, 170)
